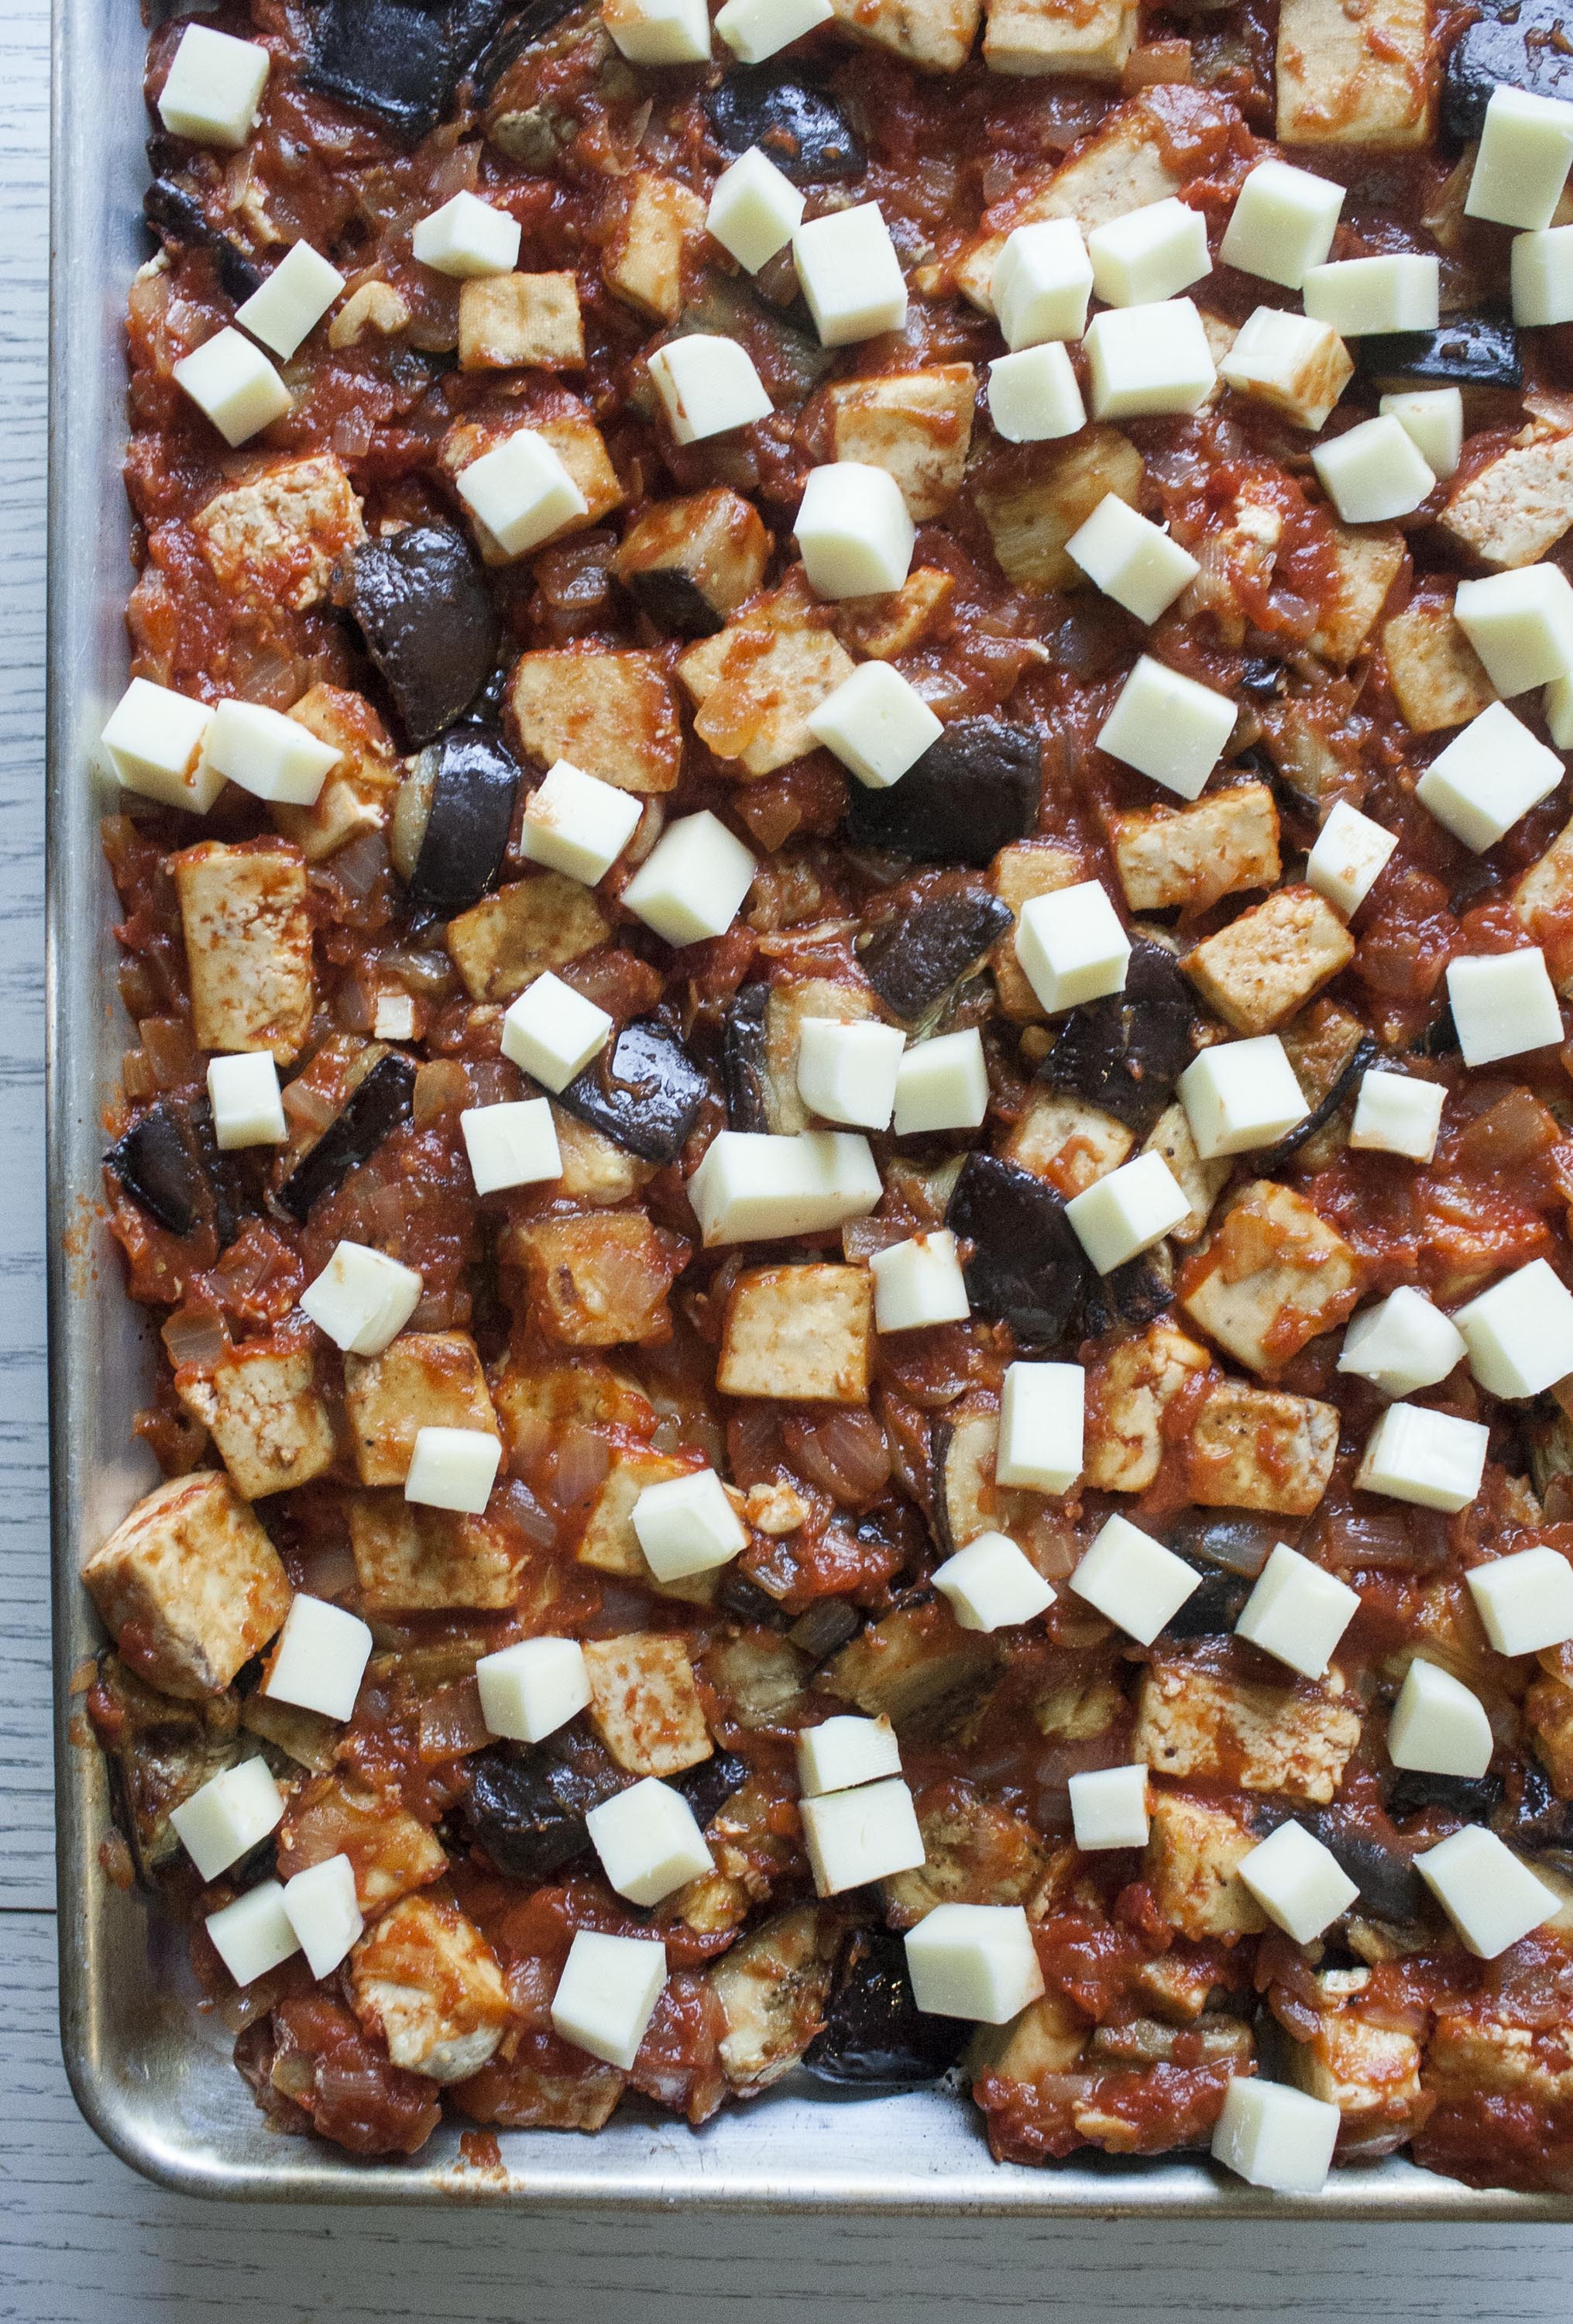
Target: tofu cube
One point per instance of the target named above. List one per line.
(847, 1073)
(195, 1572)
(843, 1752)
(1238, 1094)
(273, 757)
(854, 530)
(1290, 365)
(1520, 1333)
(530, 1689)
(320, 1906)
(942, 1083)
(213, 90)
(877, 723)
(1349, 858)
(255, 1933)
(647, 1841)
(1526, 1601)
(1272, 1275)
(1402, 1344)
(1146, 359)
(754, 30)
(152, 743)
(799, 1333)
(1282, 224)
(514, 1144)
(361, 1299)
(687, 1526)
(226, 1817)
(1132, 1581)
(1042, 1418)
(753, 1187)
(1146, 254)
(1400, 292)
(754, 211)
(1034, 397)
(1194, 856)
(1042, 282)
(1515, 508)
(277, 539)
(509, 320)
(1541, 275)
(520, 491)
(1031, 517)
(936, 37)
(1298, 1884)
(1265, 965)
(1490, 1895)
(607, 1994)
(692, 882)
(1395, 1113)
(1520, 624)
(657, 226)
(1503, 1004)
(992, 1585)
(242, 1093)
(552, 1032)
(320, 1658)
(1297, 1612)
(234, 385)
(1271, 2136)
(1086, 38)
(293, 300)
(857, 1836)
(1126, 1212)
(1438, 1726)
(467, 237)
(850, 275)
(644, 1704)
(1432, 418)
(1131, 560)
(1430, 1458)
(424, 1979)
(708, 386)
(918, 1282)
(261, 1404)
(974, 1961)
(1108, 1808)
(248, 925)
(453, 1468)
(1433, 670)
(917, 424)
(691, 563)
(1373, 473)
(1072, 946)
(659, 32)
(1191, 1863)
(1167, 727)
(1252, 1448)
(611, 714)
(1523, 160)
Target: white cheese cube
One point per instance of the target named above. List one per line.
(213, 87)
(847, 1073)
(1282, 224)
(1432, 1459)
(1541, 274)
(1490, 1895)
(1132, 1581)
(686, 1525)
(754, 210)
(1034, 397)
(1557, 706)
(293, 300)
(1296, 368)
(1238, 1094)
(243, 1092)
(530, 1689)
(1489, 776)
(1146, 254)
(274, 758)
(1503, 1004)
(843, 1752)
(1148, 359)
(253, 1934)
(660, 31)
(1042, 1420)
(1525, 1603)
(453, 1468)
(232, 384)
(693, 880)
(1348, 857)
(520, 491)
(607, 1994)
(1130, 558)
(974, 1961)
(225, 1818)
(576, 822)
(1395, 1113)
(917, 1283)
(1520, 1333)
(1298, 1884)
(320, 1659)
(647, 1841)
(1125, 1213)
(467, 238)
(877, 723)
(707, 386)
(754, 30)
(853, 531)
(361, 1299)
(752, 1187)
(1040, 283)
(1400, 292)
(1108, 1808)
(514, 1144)
(1523, 160)
(942, 1085)
(552, 1032)
(850, 275)
(1297, 1612)
(1071, 946)
(1168, 727)
(152, 744)
(1520, 624)
(865, 1834)
(1432, 418)
(1271, 2136)
(1402, 1344)
(1438, 1726)
(991, 1584)
(1373, 471)
(321, 1908)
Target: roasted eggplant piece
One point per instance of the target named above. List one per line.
(1366, 1053)
(1472, 1797)
(376, 1106)
(1026, 1268)
(399, 60)
(800, 128)
(1440, 1037)
(423, 607)
(1127, 1053)
(1390, 1887)
(1537, 1818)
(158, 1752)
(1232, 1538)
(170, 1163)
(644, 1092)
(829, 1625)
(1467, 351)
(1212, 1609)
(527, 1806)
(176, 217)
(708, 1787)
(916, 956)
(742, 1059)
(1515, 44)
(1129, 1297)
(745, 1601)
(452, 819)
(974, 792)
(875, 2036)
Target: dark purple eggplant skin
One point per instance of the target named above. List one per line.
(801, 128)
(1466, 351)
(1473, 1798)
(422, 606)
(674, 602)
(169, 1162)
(1382, 1869)
(378, 1106)
(400, 60)
(1124, 1055)
(527, 1805)
(974, 790)
(875, 2037)
(708, 1787)
(1212, 1609)
(644, 1092)
(472, 813)
(742, 1059)
(177, 217)
(1537, 1819)
(1366, 1053)
(1026, 1268)
(1514, 43)
(1129, 1297)
(915, 954)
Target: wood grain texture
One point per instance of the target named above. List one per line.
(82, 2240)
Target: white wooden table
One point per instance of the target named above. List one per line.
(83, 2240)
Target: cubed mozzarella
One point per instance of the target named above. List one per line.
(1503, 1004)
(754, 210)
(974, 1961)
(1238, 1094)
(1148, 359)
(293, 300)
(1132, 1581)
(361, 1299)
(1438, 1727)
(1169, 727)
(244, 1096)
(1402, 1343)
(1541, 269)
(877, 723)
(1291, 364)
(1042, 1422)
(232, 384)
(692, 881)
(1271, 2136)
(1145, 255)
(607, 1994)
(853, 531)
(991, 1584)
(1281, 223)
(647, 1841)
(942, 1085)
(754, 30)
(1040, 283)
(1128, 1210)
(1526, 1601)
(1071, 946)
(1433, 1459)
(1396, 1113)
(854, 1836)
(255, 1933)
(576, 822)
(551, 1032)
(530, 1689)
(322, 1909)
(1349, 858)
(753, 1187)
(274, 758)
(1373, 471)
(1298, 1884)
(1034, 397)
(918, 1282)
(467, 238)
(659, 32)
(1297, 1612)
(1523, 160)
(319, 1658)
(1557, 707)
(1520, 1333)
(1131, 560)
(227, 1816)
(1521, 624)
(152, 744)
(1432, 418)
(520, 491)
(213, 87)
(1108, 1808)
(686, 1525)
(850, 275)
(707, 386)
(847, 1073)
(1398, 291)
(514, 1144)
(843, 1752)
(1490, 1894)
(453, 1468)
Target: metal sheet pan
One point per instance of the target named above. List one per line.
(152, 2074)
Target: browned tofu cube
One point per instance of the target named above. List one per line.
(1365, 566)
(357, 796)
(1543, 900)
(756, 682)
(1362, 77)
(1263, 966)
(564, 425)
(422, 1380)
(690, 563)
(644, 1704)
(1235, 553)
(1272, 1274)
(189, 1585)
(788, 1009)
(916, 1667)
(424, 1978)
(916, 424)
(1369, 2069)
(657, 222)
(372, 308)
(798, 1331)
(411, 1560)
(1202, 1182)
(532, 1399)
(1030, 518)
(885, 626)
(613, 714)
(1256, 1448)
(1027, 868)
(1517, 506)
(276, 538)
(1128, 1391)
(609, 1541)
(247, 926)
(1433, 670)
(598, 1281)
(1194, 1848)
(1193, 855)
(1091, 39)
(261, 1407)
(933, 35)
(390, 1852)
(504, 942)
(1066, 1142)
(509, 320)
(1209, 1727)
